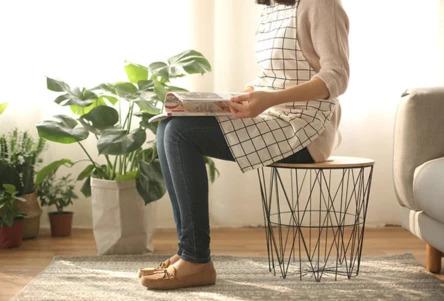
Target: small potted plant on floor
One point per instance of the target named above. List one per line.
(19, 154)
(58, 192)
(11, 220)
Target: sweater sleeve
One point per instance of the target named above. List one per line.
(326, 23)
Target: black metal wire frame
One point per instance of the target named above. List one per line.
(318, 221)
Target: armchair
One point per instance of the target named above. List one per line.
(419, 168)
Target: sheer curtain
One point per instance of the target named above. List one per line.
(394, 46)
(84, 43)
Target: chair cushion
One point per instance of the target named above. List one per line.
(428, 188)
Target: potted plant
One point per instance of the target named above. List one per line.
(127, 172)
(58, 192)
(19, 154)
(11, 220)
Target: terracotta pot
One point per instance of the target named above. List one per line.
(32, 211)
(11, 237)
(61, 223)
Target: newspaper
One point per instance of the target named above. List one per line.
(195, 104)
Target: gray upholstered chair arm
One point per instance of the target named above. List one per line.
(419, 137)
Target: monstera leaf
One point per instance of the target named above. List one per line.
(120, 141)
(136, 73)
(150, 183)
(188, 62)
(102, 117)
(63, 129)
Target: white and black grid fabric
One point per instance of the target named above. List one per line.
(284, 129)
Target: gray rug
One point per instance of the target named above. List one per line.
(115, 278)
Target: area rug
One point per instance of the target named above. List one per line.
(239, 278)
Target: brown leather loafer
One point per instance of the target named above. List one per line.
(168, 279)
(149, 271)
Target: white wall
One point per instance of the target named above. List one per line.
(394, 46)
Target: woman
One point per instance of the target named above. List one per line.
(290, 114)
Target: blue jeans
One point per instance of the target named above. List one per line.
(182, 143)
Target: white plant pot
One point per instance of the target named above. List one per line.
(122, 224)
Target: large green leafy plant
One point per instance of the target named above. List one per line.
(117, 116)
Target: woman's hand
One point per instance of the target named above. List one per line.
(251, 104)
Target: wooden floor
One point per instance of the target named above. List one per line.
(18, 266)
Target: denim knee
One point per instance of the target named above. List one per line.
(160, 132)
(175, 130)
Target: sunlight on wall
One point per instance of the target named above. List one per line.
(82, 42)
(394, 46)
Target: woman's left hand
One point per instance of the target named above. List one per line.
(251, 104)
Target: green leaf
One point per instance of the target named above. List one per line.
(77, 97)
(56, 86)
(146, 85)
(213, 172)
(190, 61)
(10, 189)
(78, 102)
(148, 107)
(102, 117)
(62, 130)
(86, 187)
(120, 142)
(88, 94)
(150, 183)
(160, 70)
(60, 99)
(3, 107)
(111, 99)
(160, 91)
(86, 125)
(51, 169)
(80, 110)
(144, 123)
(136, 73)
(126, 90)
(86, 172)
(107, 87)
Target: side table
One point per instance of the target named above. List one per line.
(314, 216)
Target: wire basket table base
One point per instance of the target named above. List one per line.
(314, 218)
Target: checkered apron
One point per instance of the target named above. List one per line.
(284, 129)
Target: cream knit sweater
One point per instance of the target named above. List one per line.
(323, 36)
